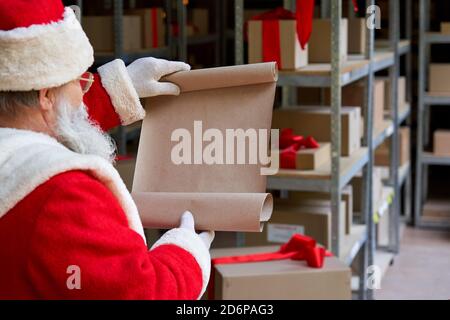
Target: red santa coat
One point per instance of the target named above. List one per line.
(66, 215)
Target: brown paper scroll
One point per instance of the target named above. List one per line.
(222, 197)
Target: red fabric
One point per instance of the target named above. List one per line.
(73, 219)
(24, 13)
(100, 107)
(304, 16)
(290, 144)
(299, 247)
(155, 27)
(355, 5)
(271, 50)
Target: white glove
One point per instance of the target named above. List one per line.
(145, 74)
(187, 222)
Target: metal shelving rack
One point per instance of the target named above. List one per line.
(344, 169)
(338, 75)
(426, 100)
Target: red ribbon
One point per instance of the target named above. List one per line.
(271, 50)
(290, 144)
(355, 5)
(121, 157)
(304, 16)
(154, 13)
(299, 247)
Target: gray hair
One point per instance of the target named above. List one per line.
(11, 102)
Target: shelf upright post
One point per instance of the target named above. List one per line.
(218, 17)
(239, 59)
(182, 34)
(426, 110)
(325, 9)
(336, 14)
(238, 32)
(394, 222)
(420, 106)
(369, 248)
(118, 54)
(288, 94)
(169, 38)
(408, 181)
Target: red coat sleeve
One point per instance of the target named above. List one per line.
(112, 99)
(83, 225)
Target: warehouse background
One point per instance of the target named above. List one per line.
(216, 33)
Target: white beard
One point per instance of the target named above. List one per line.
(77, 132)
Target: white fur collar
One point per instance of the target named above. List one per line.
(28, 159)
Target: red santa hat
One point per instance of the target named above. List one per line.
(42, 45)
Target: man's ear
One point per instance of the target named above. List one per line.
(47, 107)
(47, 100)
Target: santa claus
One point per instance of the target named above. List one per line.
(69, 229)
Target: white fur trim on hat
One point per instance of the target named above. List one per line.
(192, 243)
(44, 56)
(117, 82)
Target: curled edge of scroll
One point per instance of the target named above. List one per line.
(242, 212)
(224, 77)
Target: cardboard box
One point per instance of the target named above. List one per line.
(357, 30)
(281, 279)
(315, 121)
(353, 95)
(99, 30)
(306, 198)
(445, 27)
(442, 143)
(292, 56)
(439, 78)
(151, 37)
(126, 171)
(401, 92)
(311, 159)
(199, 17)
(320, 41)
(377, 190)
(313, 219)
(382, 153)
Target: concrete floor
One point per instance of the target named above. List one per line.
(421, 270)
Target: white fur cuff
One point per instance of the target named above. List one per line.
(116, 81)
(190, 242)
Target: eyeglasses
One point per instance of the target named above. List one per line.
(86, 80)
